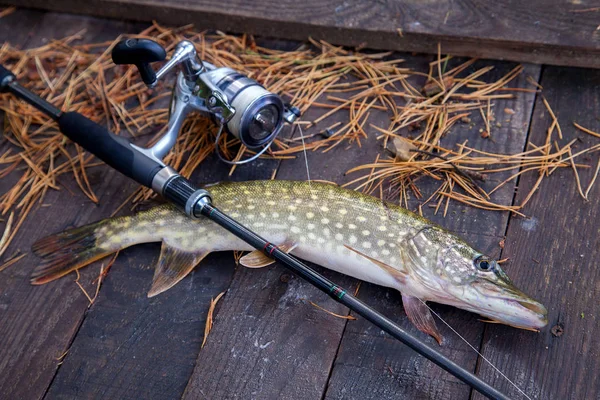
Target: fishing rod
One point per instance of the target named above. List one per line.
(246, 110)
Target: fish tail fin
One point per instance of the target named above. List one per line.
(67, 251)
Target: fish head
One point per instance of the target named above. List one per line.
(461, 276)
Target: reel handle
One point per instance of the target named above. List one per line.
(139, 52)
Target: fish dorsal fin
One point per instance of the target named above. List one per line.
(258, 259)
(399, 275)
(419, 314)
(173, 265)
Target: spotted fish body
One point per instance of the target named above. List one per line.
(340, 229)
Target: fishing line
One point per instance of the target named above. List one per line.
(430, 309)
(475, 350)
(305, 157)
(308, 177)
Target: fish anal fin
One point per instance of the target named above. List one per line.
(173, 265)
(258, 259)
(419, 314)
(399, 275)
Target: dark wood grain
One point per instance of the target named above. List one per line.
(539, 31)
(268, 341)
(37, 324)
(370, 365)
(16, 29)
(130, 346)
(12, 26)
(554, 252)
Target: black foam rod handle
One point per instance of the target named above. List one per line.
(140, 52)
(110, 148)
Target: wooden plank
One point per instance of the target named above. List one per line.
(369, 364)
(268, 341)
(554, 254)
(537, 31)
(38, 323)
(18, 27)
(130, 346)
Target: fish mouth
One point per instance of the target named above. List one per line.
(523, 313)
(534, 306)
(506, 305)
(537, 317)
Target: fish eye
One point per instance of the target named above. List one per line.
(482, 263)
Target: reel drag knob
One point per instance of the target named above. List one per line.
(140, 52)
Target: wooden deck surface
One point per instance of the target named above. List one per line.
(267, 341)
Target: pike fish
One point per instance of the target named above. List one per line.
(340, 229)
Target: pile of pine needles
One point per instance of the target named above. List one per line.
(317, 76)
(447, 99)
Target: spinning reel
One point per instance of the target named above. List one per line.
(241, 105)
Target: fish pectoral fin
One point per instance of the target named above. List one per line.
(399, 275)
(420, 315)
(173, 265)
(258, 259)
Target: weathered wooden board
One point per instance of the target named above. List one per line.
(10, 33)
(268, 341)
(555, 251)
(371, 365)
(37, 324)
(9, 26)
(130, 346)
(538, 31)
